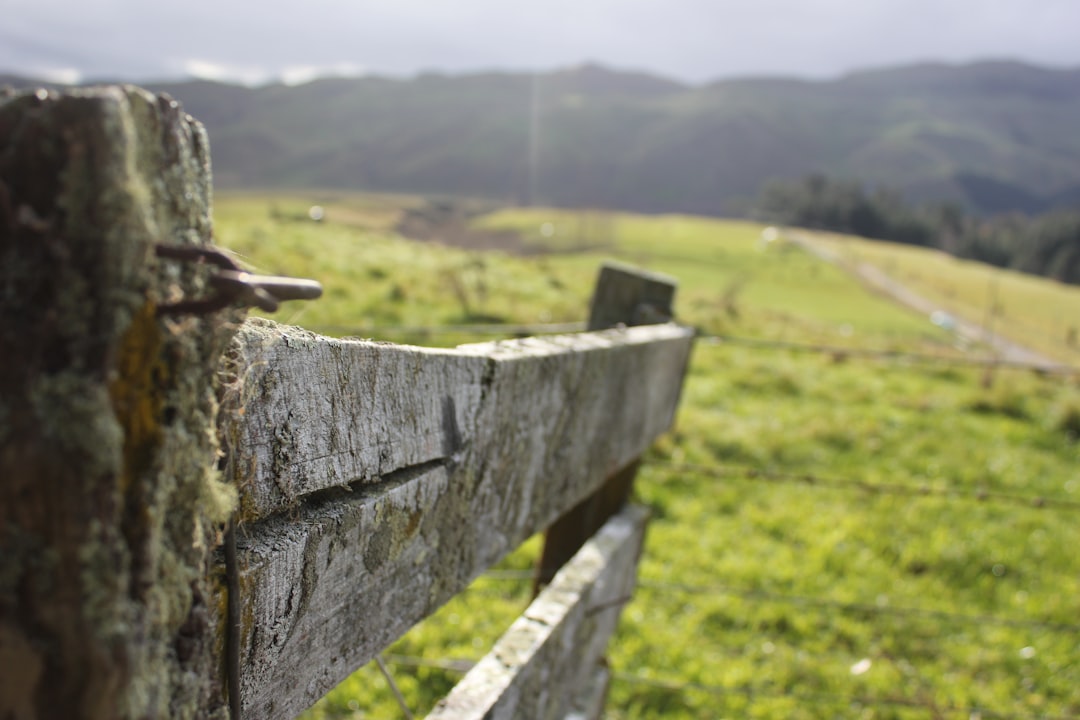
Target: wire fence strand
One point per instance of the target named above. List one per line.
(706, 339)
(819, 602)
(405, 712)
(517, 330)
(825, 603)
(742, 472)
(751, 692)
(718, 339)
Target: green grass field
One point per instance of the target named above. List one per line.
(833, 536)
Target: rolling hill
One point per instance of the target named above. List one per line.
(997, 136)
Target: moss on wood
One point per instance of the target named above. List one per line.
(110, 502)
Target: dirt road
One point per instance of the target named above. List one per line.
(1004, 350)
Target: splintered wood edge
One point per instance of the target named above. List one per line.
(306, 413)
(548, 657)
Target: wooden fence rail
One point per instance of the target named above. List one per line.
(366, 483)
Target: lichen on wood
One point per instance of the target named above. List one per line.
(380, 480)
(110, 501)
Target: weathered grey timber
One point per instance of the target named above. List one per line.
(592, 696)
(374, 481)
(623, 296)
(631, 296)
(535, 669)
(511, 434)
(308, 413)
(109, 497)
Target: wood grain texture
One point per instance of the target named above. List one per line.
(547, 658)
(592, 696)
(370, 542)
(109, 496)
(623, 296)
(308, 413)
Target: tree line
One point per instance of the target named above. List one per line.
(1046, 245)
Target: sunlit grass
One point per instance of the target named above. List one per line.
(729, 279)
(760, 597)
(895, 424)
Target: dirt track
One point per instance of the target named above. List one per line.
(1005, 350)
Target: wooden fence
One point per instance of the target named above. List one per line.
(205, 517)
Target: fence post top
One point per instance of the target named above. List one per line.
(626, 295)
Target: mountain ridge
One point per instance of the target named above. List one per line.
(996, 136)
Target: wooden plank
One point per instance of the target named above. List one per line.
(623, 296)
(535, 669)
(538, 426)
(590, 700)
(308, 413)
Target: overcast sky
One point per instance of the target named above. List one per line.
(690, 40)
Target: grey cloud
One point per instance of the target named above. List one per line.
(693, 40)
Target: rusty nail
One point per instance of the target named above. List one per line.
(234, 285)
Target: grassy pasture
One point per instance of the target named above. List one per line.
(762, 594)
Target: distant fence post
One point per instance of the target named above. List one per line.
(110, 503)
(623, 296)
(550, 662)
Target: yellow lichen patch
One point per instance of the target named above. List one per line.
(414, 522)
(136, 393)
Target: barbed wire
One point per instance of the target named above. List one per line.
(521, 329)
(819, 602)
(721, 472)
(706, 338)
(718, 339)
(454, 665)
(461, 666)
(854, 607)
(402, 705)
(751, 692)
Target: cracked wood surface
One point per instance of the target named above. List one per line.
(535, 669)
(378, 480)
(109, 498)
(308, 413)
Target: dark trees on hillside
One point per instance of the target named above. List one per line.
(1050, 245)
(1045, 245)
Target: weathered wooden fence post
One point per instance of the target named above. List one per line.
(623, 296)
(550, 664)
(110, 502)
(374, 481)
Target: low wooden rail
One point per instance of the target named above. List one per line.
(366, 483)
